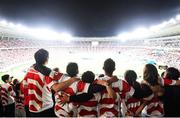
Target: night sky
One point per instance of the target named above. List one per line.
(89, 18)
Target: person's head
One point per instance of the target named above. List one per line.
(88, 77)
(150, 74)
(15, 81)
(72, 69)
(56, 69)
(130, 76)
(109, 66)
(41, 57)
(172, 73)
(6, 78)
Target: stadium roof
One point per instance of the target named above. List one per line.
(89, 18)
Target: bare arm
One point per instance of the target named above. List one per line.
(177, 82)
(138, 111)
(63, 85)
(113, 79)
(111, 92)
(109, 89)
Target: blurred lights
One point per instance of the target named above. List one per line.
(40, 33)
(178, 17)
(4, 22)
(138, 33)
(94, 43)
(142, 32)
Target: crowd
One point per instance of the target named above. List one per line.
(46, 92)
(8, 57)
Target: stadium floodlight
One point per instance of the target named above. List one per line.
(48, 34)
(94, 43)
(43, 33)
(12, 25)
(172, 21)
(140, 33)
(67, 37)
(178, 17)
(154, 28)
(4, 22)
(158, 27)
(124, 36)
(21, 28)
(163, 24)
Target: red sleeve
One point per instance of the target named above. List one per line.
(55, 75)
(10, 88)
(166, 82)
(82, 87)
(11, 91)
(126, 86)
(127, 89)
(53, 78)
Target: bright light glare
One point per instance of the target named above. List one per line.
(44, 34)
(12, 25)
(136, 34)
(124, 36)
(94, 43)
(172, 21)
(40, 33)
(65, 35)
(4, 22)
(178, 17)
(140, 33)
(21, 28)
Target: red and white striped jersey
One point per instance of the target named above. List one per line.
(7, 94)
(24, 91)
(154, 106)
(68, 109)
(109, 106)
(89, 108)
(39, 93)
(19, 102)
(132, 104)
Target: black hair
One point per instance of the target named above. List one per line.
(17, 89)
(150, 74)
(15, 81)
(41, 56)
(130, 76)
(88, 77)
(109, 66)
(56, 69)
(72, 69)
(172, 73)
(5, 77)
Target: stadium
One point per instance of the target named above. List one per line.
(89, 58)
(131, 50)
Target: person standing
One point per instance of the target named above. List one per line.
(7, 94)
(39, 81)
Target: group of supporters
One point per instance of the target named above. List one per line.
(45, 92)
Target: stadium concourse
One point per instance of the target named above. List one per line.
(159, 48)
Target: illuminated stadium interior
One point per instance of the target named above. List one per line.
(157, 44)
